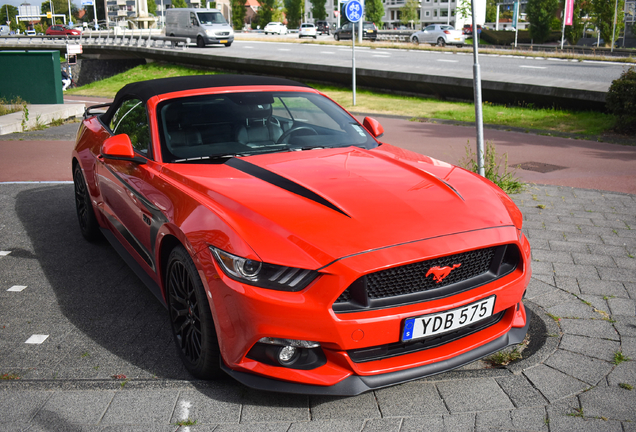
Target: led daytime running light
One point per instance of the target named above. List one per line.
(289, 342)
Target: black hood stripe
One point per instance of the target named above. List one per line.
(280, 181)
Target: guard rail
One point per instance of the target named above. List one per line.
(136, 38)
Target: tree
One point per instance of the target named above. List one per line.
(374, 11)
(152, 7)
(13, 11)
(540, 14)
(266, 11)
(278, 13)
(318, 9)
(491, 11)
(179, 4)
(602, 12)
(410, 12)
(238, 13)
(294, 9)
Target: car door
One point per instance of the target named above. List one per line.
(428, 34)
(193, 27)
(346, 31)
(126, 185)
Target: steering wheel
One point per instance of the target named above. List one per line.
(293, 130)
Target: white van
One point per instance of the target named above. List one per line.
(203, 26)
(4, 30)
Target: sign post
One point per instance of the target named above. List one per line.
(353, 12)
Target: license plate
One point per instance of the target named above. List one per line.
(442, 322)
(223, 41)
(457, 38)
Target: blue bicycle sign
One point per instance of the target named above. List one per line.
(353, 11)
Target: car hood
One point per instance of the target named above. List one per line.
(330, 203)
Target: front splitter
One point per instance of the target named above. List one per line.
(355, 384)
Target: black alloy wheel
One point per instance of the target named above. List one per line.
(85, 213)
(192, 324)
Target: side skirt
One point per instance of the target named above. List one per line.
(136, 268)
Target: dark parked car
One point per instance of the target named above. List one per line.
(323, 27)
(370, 31)
(60, 30)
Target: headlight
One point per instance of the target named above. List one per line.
(262, 274)
(209, 33)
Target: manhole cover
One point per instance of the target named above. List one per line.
(539, 167)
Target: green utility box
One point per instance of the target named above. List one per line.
(34, 76)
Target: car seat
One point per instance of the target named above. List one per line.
(259, 127)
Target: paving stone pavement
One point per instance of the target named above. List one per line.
(580, 378)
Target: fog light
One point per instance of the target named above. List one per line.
(287, 354)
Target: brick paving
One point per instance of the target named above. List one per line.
(581, 377)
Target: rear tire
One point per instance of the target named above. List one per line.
(315, 37)
(336, 37)
(190, 316)
(441, 42)
(89, 226)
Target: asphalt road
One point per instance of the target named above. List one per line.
(591, 75)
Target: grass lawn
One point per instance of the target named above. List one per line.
(582, 122)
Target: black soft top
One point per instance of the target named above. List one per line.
(144, 90)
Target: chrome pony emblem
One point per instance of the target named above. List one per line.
(439, 273)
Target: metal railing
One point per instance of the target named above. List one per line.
(124, 37)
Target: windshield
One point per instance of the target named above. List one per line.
(205, 128)
(208, 18)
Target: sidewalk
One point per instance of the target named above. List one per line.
(108, 362)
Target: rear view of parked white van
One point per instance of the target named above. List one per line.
(203, 26)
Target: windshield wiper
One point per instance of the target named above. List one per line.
(206, 158)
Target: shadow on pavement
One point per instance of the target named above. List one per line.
(118, 321)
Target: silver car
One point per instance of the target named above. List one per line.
(439, 34)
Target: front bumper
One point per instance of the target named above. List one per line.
(354, 384)
(211, 40)
(244, 314)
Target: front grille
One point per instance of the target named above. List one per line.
(399, 348)
(225, 33)
(428, 279)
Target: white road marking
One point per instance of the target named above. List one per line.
(248, 47)
(185, 413)
(447, 61)
(284, 49)
(383, 56)
(327, 52)
(532, 67)
(17, 288)
(4, 253)
(36, 339)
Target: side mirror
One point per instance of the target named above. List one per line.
(373, 126)
(119, 147)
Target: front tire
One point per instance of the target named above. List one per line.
(415, 40)
(190, 316)
(200, 42)
(84, 207)
(336, 37)
(229, 44)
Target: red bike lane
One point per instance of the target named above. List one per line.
(543, 159)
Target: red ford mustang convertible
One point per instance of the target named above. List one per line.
(293, 250)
